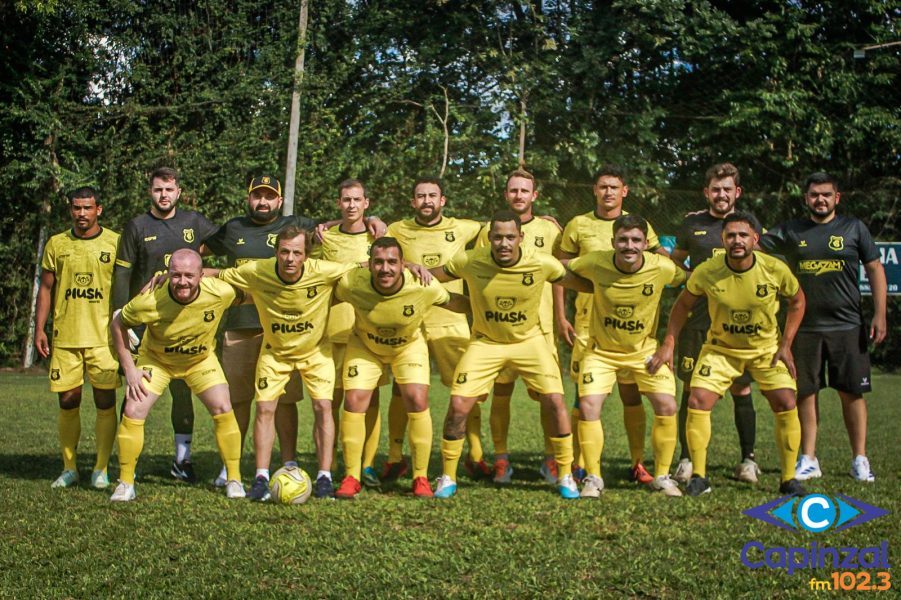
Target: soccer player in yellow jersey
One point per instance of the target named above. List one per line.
(292, 294)
(179, 343)
(389, 306)
(431, 239)
(742, 289)
(586, 233)
(79, 264)
(504, 285)
(628, 285)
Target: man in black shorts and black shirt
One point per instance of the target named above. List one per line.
(700, 238)
(144, 250)
(830, 349)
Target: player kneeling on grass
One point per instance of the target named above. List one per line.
(179, 343)
(628, 285)
(389, 306)
(742, 289)
(505, 283)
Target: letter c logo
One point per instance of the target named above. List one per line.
(816, 513)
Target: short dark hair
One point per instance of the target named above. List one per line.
(524, 175)
(433, 180)
(740, 216)
(505, 215)
(721, 171)
(84, 191)
(386, 242)
(818, 178)
(164, 173)
(349, 183)
(610, 170)
(290, 232)
(631, 222)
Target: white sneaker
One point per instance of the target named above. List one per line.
(684, 471)
(445, 487)
(747, 471)
(124, 492)
(221, 479)
(99, 480)
(807, 468)
(592, 486)
(234, 489)
(68, 478)
(860, 469)
(666, 485)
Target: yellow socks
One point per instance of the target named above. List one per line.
(131, 442)
(474, 433)
(563, 454)
(634, 420)
(500, 423)
(105, 432)
(420, 441)
(788, 440)
(397, 426)
(373, 433)
(450, 456)
(228, 438)
(697, 433)
(353, 433)
(69, 423)
(663, 438)
(591, 438)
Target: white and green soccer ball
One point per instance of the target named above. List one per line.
(290, 485)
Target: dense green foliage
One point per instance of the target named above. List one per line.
(102, 92)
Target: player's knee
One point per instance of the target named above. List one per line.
(70, 399)
(266, 409)
(504, 389)
(104, 399)
(322, 408)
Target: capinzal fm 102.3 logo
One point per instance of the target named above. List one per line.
(816, 512)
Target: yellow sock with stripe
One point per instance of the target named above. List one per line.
(548, 422)
(397, 428)
(450, 456)
(69, 423)
(105, 432)
(228, 439)
(664, 434)
(373, 433)
(499, 422)
(788, 440)
(574, 418)
(634, 420)
(420, 441)
(131, 441)
(353, 434)
(697, 433)
(563, 454)
(591, 438)
(474, 433)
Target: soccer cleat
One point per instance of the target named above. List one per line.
(860, 469)
(666, 485)
(348, 489)
(640, 475)
(548, 470)
(259, 491)
(503, 472)
(477, 470)
(592, 486)
(445, 487)
(421, 488)
(579, 473)
(99, 480)
(684, 471)
(568, 488)
(221, 479)
(183, 471)
(697, 485)
(68, 478)
(324, 488)
(807, 468)
(747, 471)
(392, 471)
(124, 492)
(792, 488)
(370, 478)
(235, 489)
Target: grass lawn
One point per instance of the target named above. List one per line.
(518, 541)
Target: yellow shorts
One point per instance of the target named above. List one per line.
(68, 365)
(338, 354)
(508, 376)
(199, 376)
(446, 347)
(316, 369)
(600, 370)
(240, 350)
(580, 349)
(533, 360)
(715, 371)
(363, 369)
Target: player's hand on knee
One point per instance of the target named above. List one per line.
(135, 385)
(785, 355)
(663, 356)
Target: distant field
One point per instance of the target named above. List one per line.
(518, 541)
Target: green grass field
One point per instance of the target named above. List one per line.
(518, 541)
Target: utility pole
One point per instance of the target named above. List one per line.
(291, 166)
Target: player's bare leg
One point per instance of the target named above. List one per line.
(286, 428)
(263, 440)
(663, 439)
(591, 440)
(562, 441)
(854, 411)
(324, 438)
(808, 466)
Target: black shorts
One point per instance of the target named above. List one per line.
(690, 342)
(836, 359)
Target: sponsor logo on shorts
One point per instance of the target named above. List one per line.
(240, 242)
(704, 371)
(741, 316)
(408, 310)
(818, 267)
(762, 290)
(587, 378)
(648, 289)
(624, 312)
(352, 371)
(449, 236)
(54, 374)
(701, 232)
(836, 242)
(150, 238)
(802, 244)
(270, 239)
(312, 291)
(207, 371)
(262, 383)
(461, 378)
(387, 341)
(539, 241)
(688, 364)
(105, 257)
(504, 302)
(528, 279)
(188, 235)
(209, 315)
(431, 260)
(386, 331)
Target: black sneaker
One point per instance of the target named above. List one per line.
(792, 487)
(324, 487)
(259, 492)
(184, 471)
(697, 485)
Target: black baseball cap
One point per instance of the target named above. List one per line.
(267, 182)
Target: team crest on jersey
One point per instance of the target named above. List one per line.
(352, 371)
(539, 241)
(449, 236)
(387, 331)
(461, 378)
(624, 312)
(312, 291)
(54, 374)
(762, 290)
(688, 364)
(527, 279)
(505, 302)
(718, 252)
(408, 310)
(208, 315)
(648, 289)
(263, 383)
(105, 257)
(84, 279)
(431, 260)
(836, 242)
(270, 239)
(188, 235)
(587, 378)
(741, 316)
(705, 371)
(166, 258)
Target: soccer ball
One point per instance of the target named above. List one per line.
(290, 485)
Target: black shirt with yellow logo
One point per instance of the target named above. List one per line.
(701, 235)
